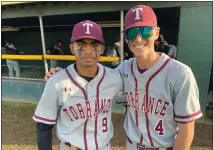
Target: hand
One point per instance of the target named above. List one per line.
(52, 71)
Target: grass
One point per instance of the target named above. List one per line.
(18, 130)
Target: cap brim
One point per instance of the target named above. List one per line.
(86, 37)
(139, 24)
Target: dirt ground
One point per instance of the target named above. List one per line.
(18, 130)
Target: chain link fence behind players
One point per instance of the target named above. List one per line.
(34, 69)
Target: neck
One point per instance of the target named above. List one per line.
(147, 61)
(87, 71)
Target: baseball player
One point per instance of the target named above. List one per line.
(161, 93)
(79, 99)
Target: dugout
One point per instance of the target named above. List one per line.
(58, 27)
(182, 26)
(27, 36)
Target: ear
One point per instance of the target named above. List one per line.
(157, 33)
(71, 47)
(102, 49)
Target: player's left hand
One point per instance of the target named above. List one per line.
(52, 72)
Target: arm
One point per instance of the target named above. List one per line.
(44, 136)
(120, 96)
(186, 108)
(46, 115)
(185, 136)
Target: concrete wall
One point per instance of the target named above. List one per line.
(195, 45)
(22, 90)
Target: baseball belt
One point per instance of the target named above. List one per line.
(141, 147)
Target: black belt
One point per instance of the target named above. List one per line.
(139, 146)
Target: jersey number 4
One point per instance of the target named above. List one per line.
(159, 128)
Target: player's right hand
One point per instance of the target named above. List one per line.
(52, 71)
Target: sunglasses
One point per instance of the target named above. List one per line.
(144, 32)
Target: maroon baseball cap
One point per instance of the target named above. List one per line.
(87, 29)
(140, 15)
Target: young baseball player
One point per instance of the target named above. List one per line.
(161, 93)
(79, 99)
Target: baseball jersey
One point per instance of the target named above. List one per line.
(81, 110)
(157, 99)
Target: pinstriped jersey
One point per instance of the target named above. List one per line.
(157, 99)
(81, 110)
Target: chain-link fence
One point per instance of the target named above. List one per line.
(34, 69)
(25, 69)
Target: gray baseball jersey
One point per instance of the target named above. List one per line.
(157, 99)
(81, 110)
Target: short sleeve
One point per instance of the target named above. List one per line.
(120, 97)
(120, 68)
(120, 89)
(186, 98)
(120, 100)
(47, 108)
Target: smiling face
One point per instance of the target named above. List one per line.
(87, 52)
(140, 46)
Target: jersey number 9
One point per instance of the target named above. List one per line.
(104, 124)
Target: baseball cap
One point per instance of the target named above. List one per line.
(140, 15)
(87, 29)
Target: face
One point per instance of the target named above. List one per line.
(142, 46)
(60, 44)
(87, 52)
